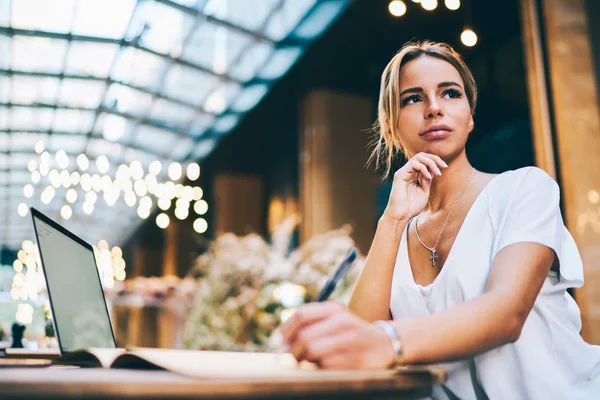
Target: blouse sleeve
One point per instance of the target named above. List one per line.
(532, 214)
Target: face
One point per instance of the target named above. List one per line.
(434, 115)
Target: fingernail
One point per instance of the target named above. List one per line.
(444, 164)
(439, 172)
(430, 177)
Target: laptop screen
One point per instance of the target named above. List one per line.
(80, 314)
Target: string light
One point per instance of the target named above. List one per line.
(175, 171)
(200, 225)
(91, 197)
(54, 177)
(62, 159)
(429, 5)
(75, 178)
(155, 167)
(106, 183)
(44, 169)
(452, 4)
(397, 8)
(24, 314)
(164, 203)
(131, 180)
(86, 182)
(468, 37)
(96, 183)
(82, 162)
(182, 213)
(28, 191)
(182, 203)
(88, 207)
(102, 164)
(169, 189)
(111, 265)
(162, 220)
(30, 284)
(143, 212)
(130, 199)
(66, 212)
(32, 165)
(201, 207)
(22, 209)
(47, 195)
(65, 178)
(193, 171)
(140, 188)
(178, 190)
(39, 147)
(136, 169)
(71, 196)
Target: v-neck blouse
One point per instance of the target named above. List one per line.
(550, 360)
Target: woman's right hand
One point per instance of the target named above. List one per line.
(411, 185)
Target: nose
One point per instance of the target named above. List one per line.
(434, 110)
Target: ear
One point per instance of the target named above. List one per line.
(471, 124)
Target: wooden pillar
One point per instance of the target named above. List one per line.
(170, 257)
(539, 111)
(336, 188)
(239, 204)
(573, 100)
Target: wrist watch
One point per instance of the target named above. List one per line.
(393, 335)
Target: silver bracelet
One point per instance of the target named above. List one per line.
(393, 335)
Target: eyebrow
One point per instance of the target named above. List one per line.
(420, 89)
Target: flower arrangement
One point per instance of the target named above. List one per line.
(246, 287)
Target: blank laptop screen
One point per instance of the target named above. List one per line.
(79, 309)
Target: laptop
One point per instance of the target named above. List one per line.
(80, 314)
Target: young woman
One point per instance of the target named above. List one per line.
(465, 267)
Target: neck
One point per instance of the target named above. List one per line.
(446, 188)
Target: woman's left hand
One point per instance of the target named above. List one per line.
(332, 337)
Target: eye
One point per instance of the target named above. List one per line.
(453, 94)
(410, 100)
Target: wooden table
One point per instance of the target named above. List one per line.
(91, 383)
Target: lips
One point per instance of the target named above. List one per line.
(436, 132)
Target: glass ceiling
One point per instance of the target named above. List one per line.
(130, 80)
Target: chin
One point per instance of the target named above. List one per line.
(443, 149)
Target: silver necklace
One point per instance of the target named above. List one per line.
(433, 250)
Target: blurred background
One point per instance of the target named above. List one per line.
(214, 152)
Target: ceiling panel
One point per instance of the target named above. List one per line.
(139, 67)
(188, 84)
(73, 144)
(38, 54)
(135, 81)
(32, 90)
(103, 18)
(163, 27)
(25, 118)
(74, 120)
(91, 59)
(81, 93)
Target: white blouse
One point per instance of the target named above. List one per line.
(550, 360)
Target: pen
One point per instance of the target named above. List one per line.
(276, 340)
(337, 276)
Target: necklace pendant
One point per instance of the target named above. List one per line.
(433, 258)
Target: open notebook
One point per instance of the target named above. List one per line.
(223, 364)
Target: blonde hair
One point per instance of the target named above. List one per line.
(387, 142)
